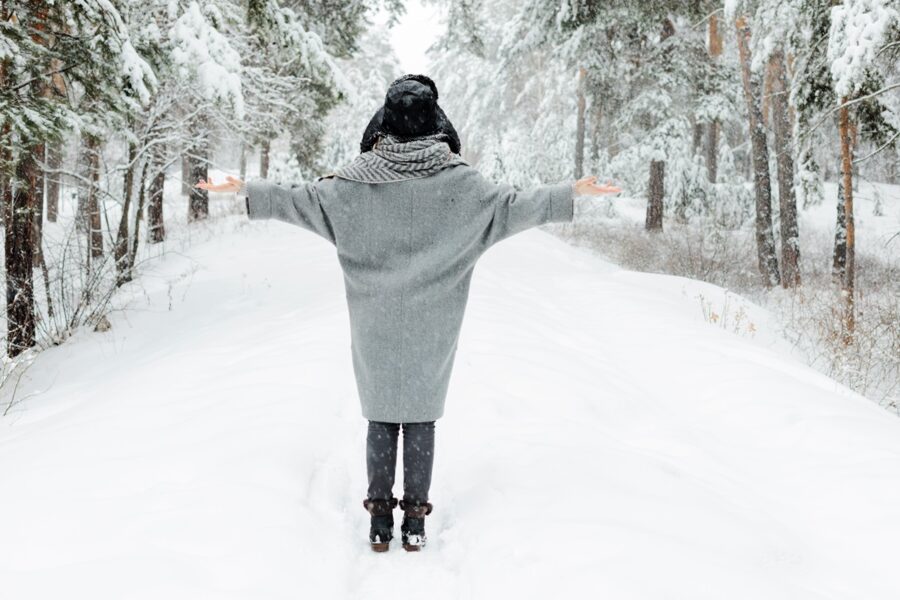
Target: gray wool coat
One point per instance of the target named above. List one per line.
(408, 250)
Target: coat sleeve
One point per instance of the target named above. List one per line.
(298, 204)
(515, 211)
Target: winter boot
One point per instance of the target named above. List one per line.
(381, 530)
(412, 529)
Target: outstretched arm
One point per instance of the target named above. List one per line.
(298, 204)
(516, 211)
(588, 186)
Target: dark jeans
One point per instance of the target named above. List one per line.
(418, 458)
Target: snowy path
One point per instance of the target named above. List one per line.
(602, 440)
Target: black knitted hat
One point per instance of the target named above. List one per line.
(410, 111)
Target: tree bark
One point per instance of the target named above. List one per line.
(849, 280)
(54, 160)
(854, 139)
(712, 128)
(38, 213)
(595, 131)
(712, 151)
(765, 236)
(892, 170)
(138, 215)
(766, 97)
(242, 169)
(697, 138)
(655, 194)
(579, 126)
(715, 37)
(92, 206)
(186, 174)
(264, 159)
(83, 184)
(120, 252)
(787, 201)
(19, 246)
(839, 256)
(198, 208)
(156, 228)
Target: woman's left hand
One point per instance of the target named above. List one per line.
(232, 184)
(587, 186)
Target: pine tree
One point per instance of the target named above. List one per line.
(765, 238)
(862, 56)
(290, 53)
(848, 286)
(71, 60)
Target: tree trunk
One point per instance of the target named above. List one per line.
(892, 170)
(766, 97)
(712, 151)
(92, 206)
(138, 215)
(120, 252)
(595, 131)
(839, 257)
(765, 237)
(83, 185)
(38, 213)
(264, 159)
(54, 160)
(787, 201)
(656, 187)
(697, 129)
(712, 128)
(186, 174)
(243, 165)
(655, 193)
(849, 281)
(854, 139)
(715, 37)
(579, 126)
(199, 199)
(19, 246)
(156, 228)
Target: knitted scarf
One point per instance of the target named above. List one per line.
(396, 159)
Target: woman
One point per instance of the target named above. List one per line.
(409, 219)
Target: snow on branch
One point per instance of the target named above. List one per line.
(203, 51)
(137, 72)
(858, 32)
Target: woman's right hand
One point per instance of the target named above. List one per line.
(232, 184)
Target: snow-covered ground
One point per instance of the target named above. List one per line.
(603, 439)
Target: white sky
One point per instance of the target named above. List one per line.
(416, 31)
